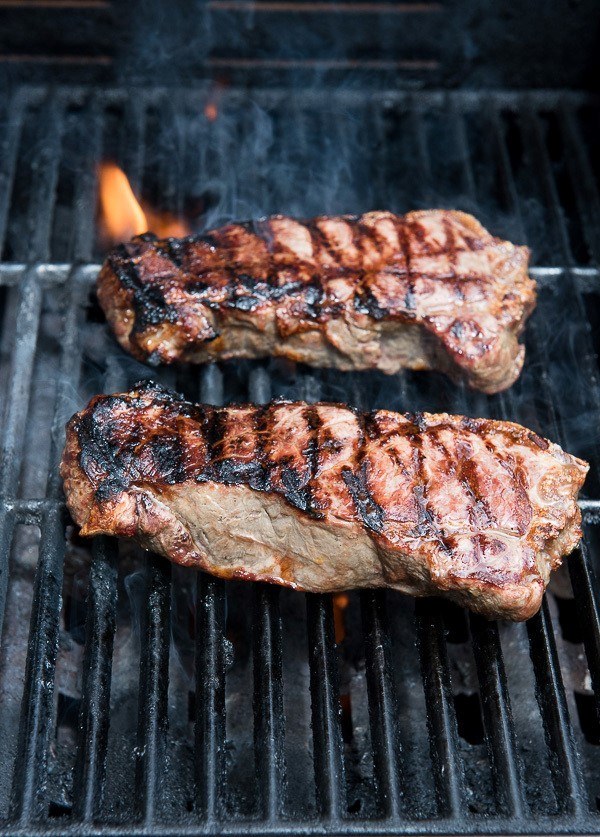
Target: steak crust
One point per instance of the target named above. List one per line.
(323, 498)
(427, 290)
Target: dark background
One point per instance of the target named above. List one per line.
(511, 44)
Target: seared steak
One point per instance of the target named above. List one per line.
(322, 498)
(428, 290)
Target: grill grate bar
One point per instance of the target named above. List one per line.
(487, 649)
(497, 717)
(56, 273)
(441, 715)
(153, 689)
(29, 777)
(70, 363)
(500, 826)
(84, 202)
(582, 178)
(560, 230)
(210, 664)
(94, 716)
(383, 704)
(210, 696)
(7, 525)
(550, 689)
(8, 160)
(376, 119)
(17, 401)
(422, 159)
(45, 167)
(269, 723)
(583, 579)
(534, 129)
(585, 588)
(268, 701)
(462, 144)
(90, 765)
(568, 782)
(326, 709)
(328, 745)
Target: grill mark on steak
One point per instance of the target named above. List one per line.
(320, 241)
(245, 293)
(363, 232)
(410, 299)
(465, 292)
(210, 420)
(452, 250)
(172, 249)
(258, 478)
(312, 457)
(287, 452)
(427, 525)
(251, 470)
(518, 482)
(482, 514)
(168, 455)
(99, 454)
(148, 300)
(357, 480)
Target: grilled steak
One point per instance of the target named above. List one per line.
(428, 290)
(322, 498)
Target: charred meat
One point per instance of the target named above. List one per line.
(427, 290)
(323, 498)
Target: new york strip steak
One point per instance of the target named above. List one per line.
(427, 290)
(323, 498)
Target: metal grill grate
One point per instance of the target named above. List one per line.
(153, 701)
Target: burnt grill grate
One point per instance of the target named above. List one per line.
(155, 702)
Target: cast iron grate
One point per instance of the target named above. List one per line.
(150, 700)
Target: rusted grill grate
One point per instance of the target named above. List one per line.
(155, 702)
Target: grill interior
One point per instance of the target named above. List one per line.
(140, 697)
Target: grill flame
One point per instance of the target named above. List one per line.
(211, 111)
(123, 216)
(340, 603)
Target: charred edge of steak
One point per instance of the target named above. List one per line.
(147, 300)
(243, 292)
(111, 465)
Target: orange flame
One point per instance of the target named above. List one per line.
(166, 225)
(211, 111)
(340, 603)
(122, 216)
